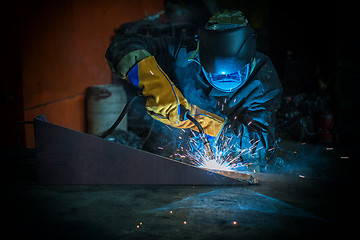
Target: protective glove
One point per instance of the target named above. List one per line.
(164, 99)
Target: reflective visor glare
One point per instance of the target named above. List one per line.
(226, 77)
(229, 82)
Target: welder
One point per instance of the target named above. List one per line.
(223, 83)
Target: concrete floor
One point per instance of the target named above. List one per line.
(297, 203)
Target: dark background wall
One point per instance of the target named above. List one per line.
(54, 50)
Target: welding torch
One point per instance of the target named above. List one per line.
(185, 113)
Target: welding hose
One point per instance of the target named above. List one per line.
(121, 116)
(207, 147)
(201, 130)
(197, 124)
(185, 113)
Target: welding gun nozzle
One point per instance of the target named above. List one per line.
(208, 150)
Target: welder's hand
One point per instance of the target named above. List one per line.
(164, 99)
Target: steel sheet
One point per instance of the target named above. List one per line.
(66, 156)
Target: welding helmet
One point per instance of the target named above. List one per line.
(226, 53)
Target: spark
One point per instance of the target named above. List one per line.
(234, 222)
(185, 222)
(168, 127)
(223, 159)
(138, 226)
(181, 156)
(227, 152)
(214, 165)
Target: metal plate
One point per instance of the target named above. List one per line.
(66, 156)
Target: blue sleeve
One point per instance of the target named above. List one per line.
(133, 76)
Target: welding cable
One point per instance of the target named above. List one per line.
(197, 124)
(121, 116)
(207, 146)
(185, 113)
